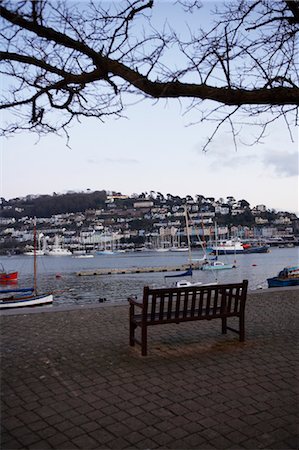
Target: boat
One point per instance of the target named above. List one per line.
(15, 300)
(107, 245)
(41, 249)
(257, 249)
(185, 283)
(7, 277)
(21, 297)
(57, 250)
(31, 253)
(235, 246)
(194, 262)
(217, 265)
(187, 273)
(288, 276)
(214, 264)
(227, 247)
(82, 254)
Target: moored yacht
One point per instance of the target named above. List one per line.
(57, 250)
(228, 247)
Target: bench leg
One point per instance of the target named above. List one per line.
(132, 334)
(242, 328)
(144, 340)
(224, 325)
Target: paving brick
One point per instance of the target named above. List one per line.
(118, 443)
(195, 440)
(79, 419)
(47, 432)
(102, 436)
(118, 429)
(11, 444)
(85, 441)
(42, 444)
(89, 426)
(145, 444)
(134, 437)
(11, 422)
(38, 425)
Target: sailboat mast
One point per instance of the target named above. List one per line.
(216, 240)
(188, 235)
(34, 257)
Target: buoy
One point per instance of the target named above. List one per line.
(253, 265)
(58, 275)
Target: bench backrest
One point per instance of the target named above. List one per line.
(163, 304)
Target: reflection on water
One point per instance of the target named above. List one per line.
(58, 274)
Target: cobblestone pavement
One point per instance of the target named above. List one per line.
(70, 380)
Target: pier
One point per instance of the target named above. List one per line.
(130, 270)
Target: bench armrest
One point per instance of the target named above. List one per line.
(133, 301)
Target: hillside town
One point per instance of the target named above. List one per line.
(140, 221)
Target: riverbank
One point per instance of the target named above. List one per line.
(70, 380)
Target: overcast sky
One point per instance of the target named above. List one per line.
(155, 148)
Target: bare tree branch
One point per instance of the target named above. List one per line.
(84, 60)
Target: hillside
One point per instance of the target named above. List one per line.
(49, 205)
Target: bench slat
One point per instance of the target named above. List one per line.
(178, 304)
(173, 317)
(201, 297)
(161, 310)
(215, 306)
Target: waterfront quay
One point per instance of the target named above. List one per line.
(70, 380)
(131, 270)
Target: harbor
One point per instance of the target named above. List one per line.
(116, 277)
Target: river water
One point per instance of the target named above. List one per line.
(59, 274)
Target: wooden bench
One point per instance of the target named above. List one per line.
(176, 305)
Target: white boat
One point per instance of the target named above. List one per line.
(31, 253)
(217, 265)
(193, 262)
(185, 283)
(86, 255)
(105, 252)
(17, 298)
(17, 301)
(229, 246)
(57, 250)
(41, 249)
(236, 247)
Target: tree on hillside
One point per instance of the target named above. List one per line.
(244, 204)
(62, 61)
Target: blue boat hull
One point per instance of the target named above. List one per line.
(260, 249)
(281, 282)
